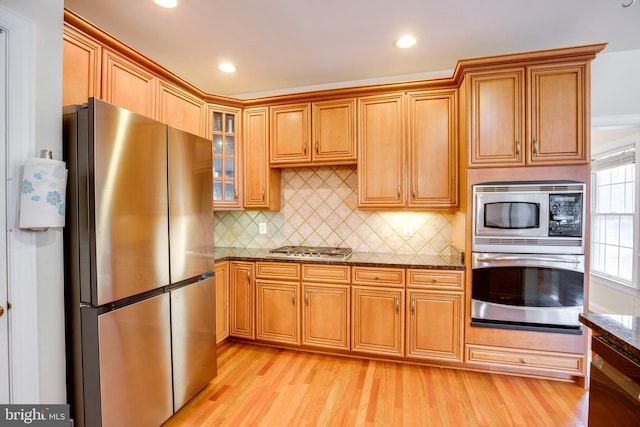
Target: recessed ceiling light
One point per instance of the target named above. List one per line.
(406, 41)
(169, 4)
(226, 67)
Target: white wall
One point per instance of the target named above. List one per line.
(615, 100)
(45, 132)
(615, 84)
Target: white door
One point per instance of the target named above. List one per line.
(4, 324)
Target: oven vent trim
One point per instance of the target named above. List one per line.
(568, 242)
(530, 188)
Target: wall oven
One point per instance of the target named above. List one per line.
(528, 255)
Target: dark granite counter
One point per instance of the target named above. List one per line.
(370, 259)
(621, 330)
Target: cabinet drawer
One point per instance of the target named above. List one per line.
(378, 276)
(278, 270)
(435, 279)
(326, 273)
(535, 360)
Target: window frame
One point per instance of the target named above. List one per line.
(612, 148)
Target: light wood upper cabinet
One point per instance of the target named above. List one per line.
(81, 59)
(290, 127)
(418, 168)
(532, 115)
(381, 151)
(180, 109)
(261, 183)
(224, 130)
(309, 134)
(558, 106)
(433, 149)
(242, 305)
(333, 126)
(128, 85)
(221, 273)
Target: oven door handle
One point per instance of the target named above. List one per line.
(527, 258)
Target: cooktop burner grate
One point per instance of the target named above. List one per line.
(311, 252)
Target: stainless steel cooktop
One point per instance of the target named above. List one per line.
(322, 252)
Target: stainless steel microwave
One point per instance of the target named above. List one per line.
(529, 217)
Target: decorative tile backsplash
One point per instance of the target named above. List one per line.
(319, 208)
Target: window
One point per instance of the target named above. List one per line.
(614, 206)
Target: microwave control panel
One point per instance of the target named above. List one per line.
(565, 214)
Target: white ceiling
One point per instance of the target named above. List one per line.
(288, 46)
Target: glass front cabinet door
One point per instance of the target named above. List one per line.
(226, 153)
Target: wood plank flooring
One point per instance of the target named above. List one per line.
(261, 386)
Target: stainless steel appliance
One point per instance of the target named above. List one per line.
(528, 255)
(537, 216)
(527, 291)
(139, 297)
(311, 252)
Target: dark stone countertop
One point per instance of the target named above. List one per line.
(369, 259)
(621, 330)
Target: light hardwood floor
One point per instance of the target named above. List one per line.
(261, 386)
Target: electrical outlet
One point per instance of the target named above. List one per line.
(407, 230)
(262, 228)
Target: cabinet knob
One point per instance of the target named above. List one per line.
(377, 277)
(398, 191)
(535, 146)
(524, 361)
(306, 297)
(317, 148)
(249, 276)
(293, 297)
(262, 194)
(517, 147)
(397, 305)
(413, 305)
(304, 148)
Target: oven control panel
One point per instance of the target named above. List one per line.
(565, 214)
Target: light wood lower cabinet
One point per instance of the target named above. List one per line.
(377, 320)
(277, 315)
(278, 302)
(221, 273)
(434, 325)
(326, 307)
(435, 310)
(242, 300)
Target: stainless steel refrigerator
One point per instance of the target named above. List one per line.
(139, 289)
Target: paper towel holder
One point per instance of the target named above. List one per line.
(55, 181)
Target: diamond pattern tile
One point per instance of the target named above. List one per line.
(319, 208)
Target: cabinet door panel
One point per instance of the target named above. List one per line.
(381, 151)
(81, 60)
(127, 85)
(180, 109)
(434, 329)
(557, 109)
(241, 300)
(221, 273)
(497, 118)
(277, 312)
(325, 316)
(290, 134)
(433, 152)
(261, 183)
(334, 132)
(377, 320)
